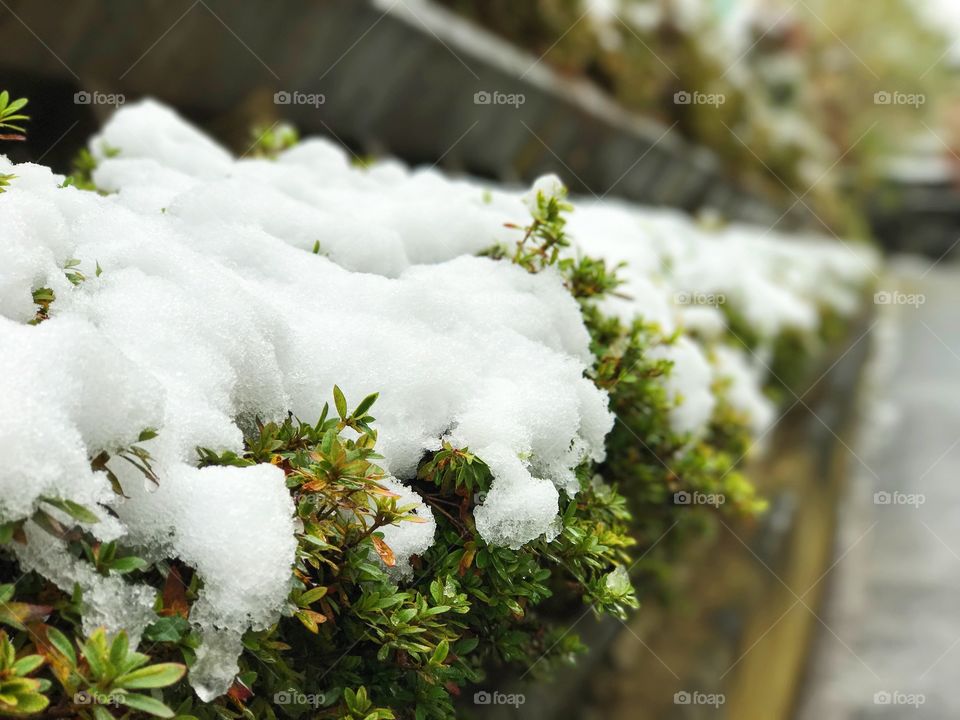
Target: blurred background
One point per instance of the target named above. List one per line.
(832, 117)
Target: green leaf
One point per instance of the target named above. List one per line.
(128, 564)
(340, 401)
(27, 664)
(312, 595)
(167, 629)
(16, 105)
(7, 530)
(365, 404)
(153, 676)
(95, 651)
(440, 654)
(466, 646)
(101, 713)
(74, 510)
(146, 704)
(147, 433)
(118, 650)
(350, 698)
(30, 703)
(62, 645)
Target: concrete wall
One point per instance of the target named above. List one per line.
(395, 77)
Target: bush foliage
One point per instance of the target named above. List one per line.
(357, 643)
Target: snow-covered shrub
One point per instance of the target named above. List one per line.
(174, 469)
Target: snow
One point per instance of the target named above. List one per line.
(688, 385)
(744, 375)
(213, 309)
(410, 538)
(544, 189)
(108, 602)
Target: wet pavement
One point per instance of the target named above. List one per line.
(888, 644)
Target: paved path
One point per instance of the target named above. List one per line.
(892, 615)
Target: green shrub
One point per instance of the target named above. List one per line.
(357, 643)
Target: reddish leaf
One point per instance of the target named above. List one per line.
(239, 692)
(470, 550)
(311, 619)
(18, 614)
(384, 551)
(175, 595)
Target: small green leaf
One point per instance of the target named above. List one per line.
(62, 644)
(340, 401)
(365, 404)
(15, 105)
(96, 652)
(128, 564)
(101, 713)
(7, 530)
(27, 664)
(167, 629)
(440, 654)
(312, 595)
(118, 650)
(146, 704)
(74, 510)
(153, 676)
(30, 703)
(147, 433)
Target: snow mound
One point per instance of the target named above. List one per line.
(234, 289)
(212, 309)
